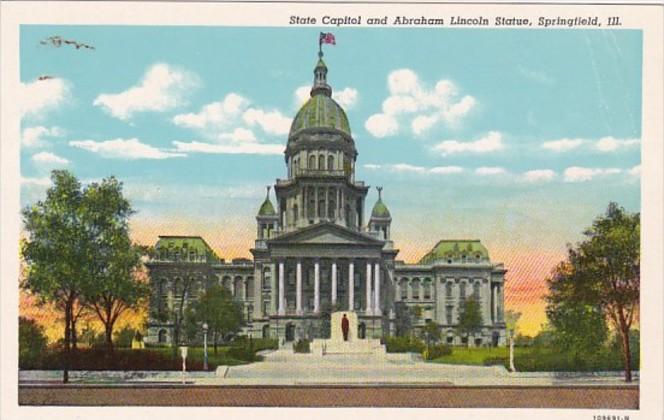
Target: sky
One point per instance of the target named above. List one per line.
(518, 138)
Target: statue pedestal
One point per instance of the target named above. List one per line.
(336, 344)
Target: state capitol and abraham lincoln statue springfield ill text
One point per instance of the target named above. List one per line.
(316, 253)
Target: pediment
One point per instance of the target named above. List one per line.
(326, 234)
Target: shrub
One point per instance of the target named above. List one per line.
(243, 353)
(434, 352)
(496, 361)
(301, 346)
(124, 337)
(31, 343)
(404, 345)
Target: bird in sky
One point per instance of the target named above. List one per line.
(57, 41)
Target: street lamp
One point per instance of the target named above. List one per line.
(205, 353)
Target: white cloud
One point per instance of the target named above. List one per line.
(409, 98)
(241, 148)
(162, 88)
(128, 149)
(562, 145)
(539, 175)
(492, 142)
(49, 158)
(239, 135)
(346, 98)
(36, 182)
(490, 170)
(381, 125)
(372, 166)
(444, 170)
(610, 144)
(302, 95)
(635, 171)
(33, 136)
(215, 114)
(38, 97)
(579, 174)
(272, 122)
(405, 167)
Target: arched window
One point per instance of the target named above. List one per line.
(250, 287)
(448, 290)
(427, 289)
(415, 285)
(476, 291)
(226, 283)
(312, 162)
(321, 162)
(237, 284)
(330, 163)
(403, 286)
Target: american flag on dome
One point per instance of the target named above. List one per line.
(327, 38)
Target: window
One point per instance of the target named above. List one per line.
(450, 339)
(330, 162)
(312, 162)
(476, 291)
(463, 258)
(448, 314)
(321, 162)
(427, 290)
(404, 289)
(415, 285)
(448, 290)
(462, 290)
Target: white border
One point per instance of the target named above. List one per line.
(647, 18)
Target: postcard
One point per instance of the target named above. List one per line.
(443, 209)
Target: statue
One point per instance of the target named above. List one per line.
(344, 327)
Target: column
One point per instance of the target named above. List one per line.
(244, 288)
(351, 286)
(421, 286)
(273, 289)
(327, 204)
(409, 290)
(282, 309)
(397, 291)
(298, 290)
(493, 304)
(334, 283)
(367, 308)
(316, 286)
(499, 303)
(316, 206)
(376, 306)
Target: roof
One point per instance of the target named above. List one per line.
(454, 249)
(380, 210)
(196, 243)
(320, 111)
(267, 209)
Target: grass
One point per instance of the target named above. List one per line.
(195, 354)
(537, 359)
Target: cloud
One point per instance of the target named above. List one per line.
(239, 135)
(408, 168)
(408, 98)
(346, 97)
(635, 171)
(381, 125)
(36, 182)
(579, 174)
(242, 148)
(162, 88)
(216, 114)
(49, 158)
(444, 170)
(372, 166)
(490, 170)
(33, 136)
(127, 149)
(272, 122)
(562, 145)
(610, 144)
(41, 96)
(405, 167)
(492, 142)
(538, 175)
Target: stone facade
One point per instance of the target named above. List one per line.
(315, 253)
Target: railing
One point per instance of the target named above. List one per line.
(320, 172)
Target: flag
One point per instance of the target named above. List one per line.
(327, 38)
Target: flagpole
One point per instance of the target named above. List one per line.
(320, 46)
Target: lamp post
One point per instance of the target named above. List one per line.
(205, 353)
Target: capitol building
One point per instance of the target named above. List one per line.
(316, 251)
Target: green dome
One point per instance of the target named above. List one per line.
(453, 249)
(380, 210)
(320, 111)
(267, 209)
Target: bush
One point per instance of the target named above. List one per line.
(434, 352)
(31, 343)
(124, 337)
(496, 361)
(243, 353)
(301, 346)
(404, 345)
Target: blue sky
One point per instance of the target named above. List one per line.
(508, 135)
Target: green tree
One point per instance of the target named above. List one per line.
(431, 332)
(55, 249)
(219, 310)
(31, 342)
(605, 268)
(470, 319)
(114, 260)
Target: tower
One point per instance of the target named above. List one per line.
(320, 158)
(380, 220)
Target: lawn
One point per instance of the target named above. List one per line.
(538, 359)
(195, 354)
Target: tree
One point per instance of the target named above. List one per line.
(605, 269)
(54, 250)
(114, 260)
(431, 331)
(470, 319)
(31, 342)
(219, 310)
(511, 320)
